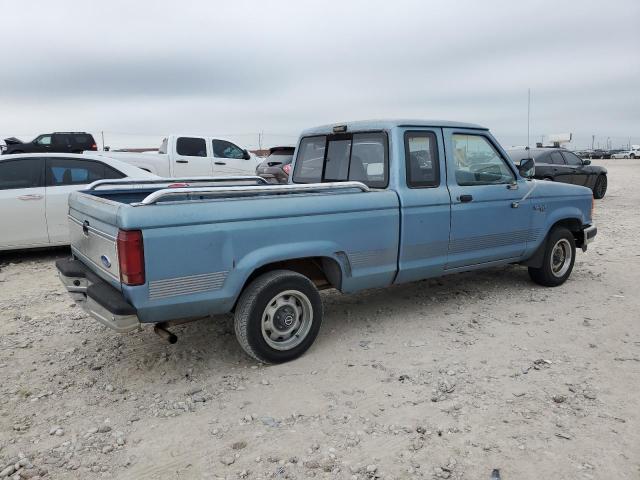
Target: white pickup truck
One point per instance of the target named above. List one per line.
(191, 156)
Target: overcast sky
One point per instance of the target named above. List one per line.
(140, 70)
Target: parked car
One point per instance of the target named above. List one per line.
(60, 142)
(192, 156)
(560, 165)
(633, 153)
(357, 215)
(34, 189)
(276, 168)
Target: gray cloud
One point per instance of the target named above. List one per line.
(139, 70)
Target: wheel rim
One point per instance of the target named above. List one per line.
(287, 320)
(561, 257)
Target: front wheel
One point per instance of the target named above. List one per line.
(600, 188)
(559, 257)
(278, 316)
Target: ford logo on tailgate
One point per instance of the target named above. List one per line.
(105, 261)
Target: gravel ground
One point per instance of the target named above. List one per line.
(446, 378)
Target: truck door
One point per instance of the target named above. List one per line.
(229, 159)
(425, 205)
(190, 158)
(489, 220)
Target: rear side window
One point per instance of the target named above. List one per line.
(361, 157)
(556, 159)
(67, 171)
(224, 149)
(421, 156)
(282, 158)
(25, 173)
(82, 139)
(191, 147)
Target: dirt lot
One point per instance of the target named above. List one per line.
(447, 378)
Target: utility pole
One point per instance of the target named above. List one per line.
(102, 134)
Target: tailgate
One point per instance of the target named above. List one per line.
(93, 230)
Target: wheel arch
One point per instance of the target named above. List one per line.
(573, 224)
(324, 271)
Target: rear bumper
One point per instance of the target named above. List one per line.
(103, 302)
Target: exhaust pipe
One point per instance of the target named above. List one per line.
(164, 333)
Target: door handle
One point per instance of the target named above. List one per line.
(465, 198)
(182, 161)
(33, 196)
(220, 163)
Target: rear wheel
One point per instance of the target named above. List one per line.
(559, 257)
(278, 316)
(600, 188)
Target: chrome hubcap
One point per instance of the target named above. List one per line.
(286, 320)
(561, 256)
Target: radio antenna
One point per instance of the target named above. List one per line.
(529, 121)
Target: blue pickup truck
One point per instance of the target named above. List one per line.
(368, 205)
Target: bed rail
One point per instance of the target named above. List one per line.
(167, 193)
(155, 181)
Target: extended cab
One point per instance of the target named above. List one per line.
(369, 205)
(192, 156)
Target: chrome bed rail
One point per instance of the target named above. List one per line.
(156, 181)
(158, 195)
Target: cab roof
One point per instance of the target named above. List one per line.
(361, 125)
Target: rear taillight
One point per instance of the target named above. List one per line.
(94, 147)
(287, 169)
(131, 257)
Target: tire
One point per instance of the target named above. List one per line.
(600, 187)
(633, 155)
(556, 265)
(276, 334)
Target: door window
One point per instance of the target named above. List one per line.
(43, 140)
(572, 159)
(224, 149)
(67, 171)
(421, 157)
(191, 147)
(477, 162)
(25, 173)
(556, 158)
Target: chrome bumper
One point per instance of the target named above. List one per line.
(589, 235)
(99, 299)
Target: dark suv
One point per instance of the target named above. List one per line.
(60, 142)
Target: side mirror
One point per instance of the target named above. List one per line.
(527, 168)
(586, 162)
(246, 155)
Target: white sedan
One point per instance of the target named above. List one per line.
(626, 154)
(34, 191)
